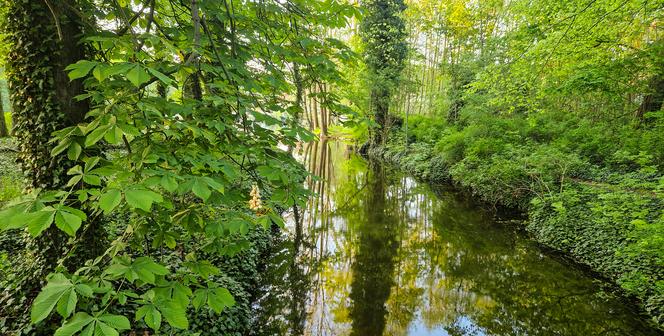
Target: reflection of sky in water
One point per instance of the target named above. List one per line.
(463, 322)
(383, 254)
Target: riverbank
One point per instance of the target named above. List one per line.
(613, 224)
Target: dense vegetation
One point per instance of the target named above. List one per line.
(148, 133)
(554, 108)
(153, 139)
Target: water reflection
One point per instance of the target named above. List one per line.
(376, 253)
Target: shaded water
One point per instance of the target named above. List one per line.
(378, 253)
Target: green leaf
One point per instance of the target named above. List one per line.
(74, 325)
(163, 78)
(200, 189)
(67, 222)
(58, 285)
(84, 290)
(39, 221)
(13, 217)
(142, 198)
(96, 135)
(137, 75)
(80, 69)
(103, 329)
(220, 298)
(92, 179)
(118, 322)
(110, 200)
(145, 264)
(74, 151)
(175, 315)
(118, 68)
(200, 297)
(62, 145)
(151, 315)
(169, 183)
(67, 304)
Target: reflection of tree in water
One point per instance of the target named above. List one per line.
(373, 267)
(376, 253)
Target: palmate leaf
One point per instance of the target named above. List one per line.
(219, 299)
(104, 325)
(38, 221)
(80, 69)
(74, 325)
(175, 314)
(137, 75)
(109, 200)
(67, 222)
(142, 198)
(150, 315)
(143, 268)
(58, 287)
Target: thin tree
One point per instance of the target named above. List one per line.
(384, 35)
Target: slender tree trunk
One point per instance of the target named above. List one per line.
(3, 124)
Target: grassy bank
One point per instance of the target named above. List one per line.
(589, 198)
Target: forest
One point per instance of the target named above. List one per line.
(331, 167)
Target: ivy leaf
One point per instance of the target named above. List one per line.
(137, 75)
(74, 325)
(58, 285)
(110, 200)
(142, 198)
(39, 221)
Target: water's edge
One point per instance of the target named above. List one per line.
(522, 217)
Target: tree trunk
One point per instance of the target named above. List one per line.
(44, 38)
(652, 101)
(3, 124)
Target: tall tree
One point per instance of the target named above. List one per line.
(44, 37)
(384, 35)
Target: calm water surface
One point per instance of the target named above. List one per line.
(377, 253)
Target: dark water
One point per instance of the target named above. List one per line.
(377, 253)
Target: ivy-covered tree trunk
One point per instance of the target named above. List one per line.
(384, 35)
(44, 37)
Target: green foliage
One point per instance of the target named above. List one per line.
(383, 33)
(196, 105)
(591, 190)
(618, 233)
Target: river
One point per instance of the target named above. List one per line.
(375, 252)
